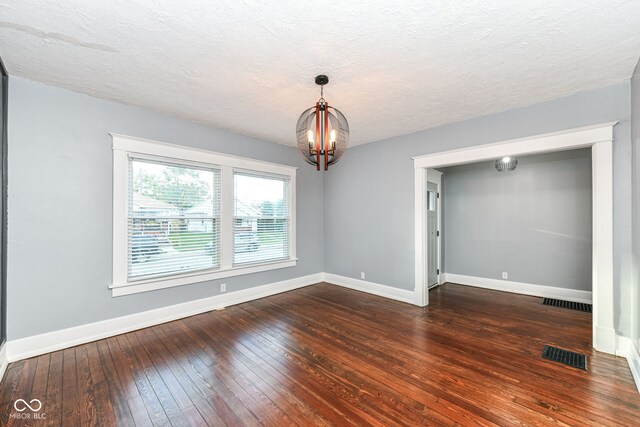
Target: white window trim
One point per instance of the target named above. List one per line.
(123, 146)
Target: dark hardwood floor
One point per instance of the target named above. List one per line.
(325, 355)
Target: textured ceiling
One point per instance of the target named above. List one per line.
(395, 67)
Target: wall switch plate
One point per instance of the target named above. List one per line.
(362, 275)
(505, 275)
(223, 287)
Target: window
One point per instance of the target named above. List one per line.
(174, 218)
(183, 216)
(261, 212)
(431, 200)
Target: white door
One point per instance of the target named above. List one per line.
(433, 269)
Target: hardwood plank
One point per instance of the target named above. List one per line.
(86, 397)
(190, 363)
(260, 390)
(210, 378)
(192, 417)
(257, 402)
(117, 397)
(54, 390)
(41, 378)
(207, 355)
(123, 370)
(154, 358)
(39, 389)
(70, 407)
(23, 390)
(164, 396)
(10, 382)
(104, 405)
(295, 409)
(104, 410)
(145, 390)
(325, 355)
(154, 345)
(139, 411)
(95, 366)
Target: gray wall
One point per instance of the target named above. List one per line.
(368, 195)
(634, 301)
(60, 200)
(60, 207)
(533, 223)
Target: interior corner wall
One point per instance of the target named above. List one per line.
(369, 194)
(534, 223)
(60, 207)
(634, 301)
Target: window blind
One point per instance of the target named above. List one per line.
(261, 217)
(173, 218)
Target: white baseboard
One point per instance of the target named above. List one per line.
(520, 288)
(370, 287)
(627, 348)
(52, 341)
(4, 362)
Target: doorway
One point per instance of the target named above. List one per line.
(432, 209)
(597, 137)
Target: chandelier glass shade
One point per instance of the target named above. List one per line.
(322, 132)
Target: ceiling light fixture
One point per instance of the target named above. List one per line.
(506, 164)
(322, 131)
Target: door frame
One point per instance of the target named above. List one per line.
(600, 139)
(4, 76)
(435, 177)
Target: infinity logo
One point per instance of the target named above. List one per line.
(24, 405)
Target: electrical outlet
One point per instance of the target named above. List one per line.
(223, 287)
(362, 275)
(505, 275)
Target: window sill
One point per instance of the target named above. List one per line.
(187, 279)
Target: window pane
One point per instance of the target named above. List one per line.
(262, 210)
(174, 219)
(431, 200)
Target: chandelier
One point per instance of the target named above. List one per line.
(322, 131)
